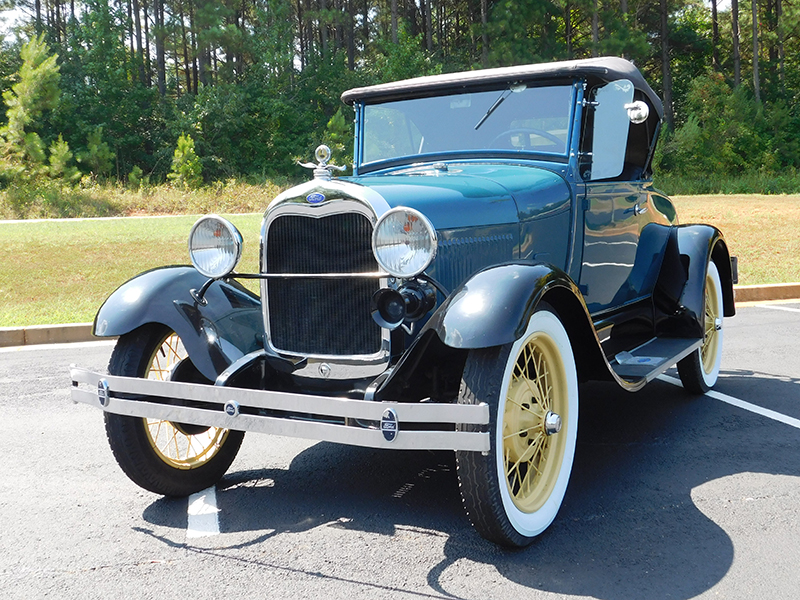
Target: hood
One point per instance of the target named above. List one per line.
(465, 195)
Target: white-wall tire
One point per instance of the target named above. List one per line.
(700, 370)
(513, 493)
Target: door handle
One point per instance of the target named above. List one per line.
(640, 209)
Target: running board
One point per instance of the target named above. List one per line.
(652, 358)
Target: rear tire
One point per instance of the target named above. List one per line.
(699, 371)
(513, 493)
(167, 458)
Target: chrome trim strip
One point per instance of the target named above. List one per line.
(443, 414)
(373, 275)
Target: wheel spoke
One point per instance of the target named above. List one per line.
(530, 409)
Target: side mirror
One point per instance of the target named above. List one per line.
(638, 112)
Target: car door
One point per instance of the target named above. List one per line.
(615, 215)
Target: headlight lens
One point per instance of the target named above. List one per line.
(215, 246)
(404, 242)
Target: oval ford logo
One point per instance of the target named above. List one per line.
(389, 424)
(102, 392)
(315, 198)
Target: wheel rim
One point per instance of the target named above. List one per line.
(532, 456)
(181, 447)
(710, 348)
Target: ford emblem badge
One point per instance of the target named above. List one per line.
(389, 424)
(102, 392)
(315, 198)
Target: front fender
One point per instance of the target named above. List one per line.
(494, 306)
(216, 334)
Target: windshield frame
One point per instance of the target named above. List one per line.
(363, 167)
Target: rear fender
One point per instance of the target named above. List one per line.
(216, 333)
(702, 243)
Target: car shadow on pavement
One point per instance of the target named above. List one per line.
(628, 528)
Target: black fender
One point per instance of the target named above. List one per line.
(702, 244)
(493, 306)
(216, 333)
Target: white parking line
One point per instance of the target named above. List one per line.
(777, 307)
(759, 410)
(203, 514)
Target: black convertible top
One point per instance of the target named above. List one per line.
(594, 70)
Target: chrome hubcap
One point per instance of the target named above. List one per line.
(552, 423)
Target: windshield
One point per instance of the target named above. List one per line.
(512, 119)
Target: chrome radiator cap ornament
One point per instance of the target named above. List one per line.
(322, 170)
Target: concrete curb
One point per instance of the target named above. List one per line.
(761, 293)
(82, 332)
(46, 334)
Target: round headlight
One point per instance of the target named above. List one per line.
(404, 242)
(215, 246)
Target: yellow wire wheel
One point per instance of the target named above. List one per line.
(180, 446)
(168, 458)
(713, 318)
(532, 455)
(513, 492)
(699, 371)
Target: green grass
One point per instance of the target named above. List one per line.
(61, 271)
(785, 182)
(763, 231)
(47, 199)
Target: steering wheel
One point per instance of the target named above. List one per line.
(541, 133)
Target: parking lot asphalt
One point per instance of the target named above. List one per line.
(671, 496)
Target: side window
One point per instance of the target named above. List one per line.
(610, 129)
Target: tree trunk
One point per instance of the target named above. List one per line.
(323, 27)
(669, 116)
(737, 57)
(394, 21)
(147, 60)
(568, 27)
(161, 62)
(484, 33)
(714, 36)
(781, 54)
(186, 65)
(756, 82)
(428, 24)
(137, 22)
(351, 35)
(194, 47)
(596, 29)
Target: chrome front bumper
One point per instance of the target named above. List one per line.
(242, 410)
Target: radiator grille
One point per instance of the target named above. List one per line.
(322, 316)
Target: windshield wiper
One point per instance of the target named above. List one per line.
(493, 107)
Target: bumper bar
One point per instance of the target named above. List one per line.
(398, 425)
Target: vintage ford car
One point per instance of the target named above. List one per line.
(498, 242)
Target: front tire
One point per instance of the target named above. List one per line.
(513, 493)
(171, 459)
(699, 371)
